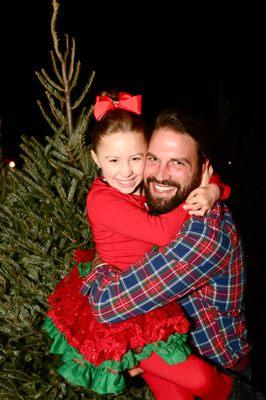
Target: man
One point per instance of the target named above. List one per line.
(203, 268)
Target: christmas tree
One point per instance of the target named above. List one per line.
(42, 222)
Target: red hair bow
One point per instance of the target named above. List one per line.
(125, 101)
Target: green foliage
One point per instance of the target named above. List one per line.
(42, 221)
(3, 173)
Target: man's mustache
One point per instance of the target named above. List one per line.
(165, 182)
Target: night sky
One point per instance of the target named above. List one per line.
(175, 55)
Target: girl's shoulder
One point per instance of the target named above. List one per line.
(100, 191)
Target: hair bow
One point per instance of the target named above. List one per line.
(125, 101)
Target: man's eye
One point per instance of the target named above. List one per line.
(150, 158)
(113, 161)
(136, 159)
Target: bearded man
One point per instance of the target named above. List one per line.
(203, 268)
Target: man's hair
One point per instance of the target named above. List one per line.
(186, 122)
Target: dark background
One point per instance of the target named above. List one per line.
(204, 57)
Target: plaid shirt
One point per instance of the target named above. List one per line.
(203, 268)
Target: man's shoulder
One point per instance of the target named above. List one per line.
(219, 218)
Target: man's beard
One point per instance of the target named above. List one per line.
(160, 205)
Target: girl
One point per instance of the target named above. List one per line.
(95, 354)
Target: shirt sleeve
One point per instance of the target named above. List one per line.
(198, 255)
(123, 216)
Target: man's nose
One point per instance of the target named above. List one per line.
(163, 173)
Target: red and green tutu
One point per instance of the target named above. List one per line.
(96, 355)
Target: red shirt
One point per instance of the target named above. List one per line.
(122, 227)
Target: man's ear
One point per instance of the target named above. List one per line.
(95, 158)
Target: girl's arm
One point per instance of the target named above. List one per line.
(117, 213)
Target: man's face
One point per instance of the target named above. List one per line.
(171, 169)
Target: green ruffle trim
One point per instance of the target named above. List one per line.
(84, 268)
(108, 376)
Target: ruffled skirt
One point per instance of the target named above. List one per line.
(95, 354)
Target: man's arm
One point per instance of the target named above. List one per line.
(198, 255)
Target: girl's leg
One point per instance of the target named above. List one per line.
(163, 389)
(195, 375)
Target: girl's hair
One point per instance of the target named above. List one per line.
(116, 120)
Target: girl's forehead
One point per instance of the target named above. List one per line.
(123, 143)
(123, 137)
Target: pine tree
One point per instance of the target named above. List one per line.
(42, 221)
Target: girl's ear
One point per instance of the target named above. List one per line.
(95, 158)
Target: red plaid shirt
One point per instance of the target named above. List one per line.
(203, 268)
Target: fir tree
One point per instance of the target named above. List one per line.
(42, 221)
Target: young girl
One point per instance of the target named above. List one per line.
(95, 354)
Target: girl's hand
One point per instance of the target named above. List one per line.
(201, 200)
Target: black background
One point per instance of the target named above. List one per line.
(175, 55)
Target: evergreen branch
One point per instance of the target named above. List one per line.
(67, 48)
(49, 87)
(33, 171)
(55, 93)
(59, 155)
(38, 156)
(53, 29)
(28, 245)
(6, 260)
(76, 75)
(72, 60)
(68, 168)
(59, 116)
(15, 391)
(34, 185)
(85, 91)
(67, 99)
(59, 146)
(49, 80)
(60, 190)
(45, 115)
(55, 67)
(72, 190)
(87, 164)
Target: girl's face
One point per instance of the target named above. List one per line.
(121, 157)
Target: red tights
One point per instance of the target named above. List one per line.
(185, 381)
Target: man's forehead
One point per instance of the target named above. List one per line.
(168, 138)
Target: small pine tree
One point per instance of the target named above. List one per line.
(42, 220)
